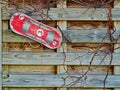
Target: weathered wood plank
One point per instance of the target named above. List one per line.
(31, 69)
(57, 81)
(36, 58)
(117, 72)
(117, 25)
(92, 14)
(9, 36)
(63, 26)
(5, 25)
(5, 73)
(31, 88)
(71, 35)
(0, 49)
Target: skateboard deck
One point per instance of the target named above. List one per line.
(24, 25)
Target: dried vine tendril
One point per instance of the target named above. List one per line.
(37, 6)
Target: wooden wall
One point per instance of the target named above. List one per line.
(28, 68)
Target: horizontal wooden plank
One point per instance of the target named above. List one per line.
(94, 14)
(36, 58)
(68, 35)
(92, 81)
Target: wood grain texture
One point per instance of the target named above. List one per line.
(36, 58)
(5, 24)
(92, 14)
(91, 47)
(31, 88)
(96, 70)
(26, 46)
(87, 25)
(117, 25)
(32, 69)
(57, 81)
(71, 35)
(72, 88)
(5, 73)
(30, 65)
(63, 26)
(0, 49)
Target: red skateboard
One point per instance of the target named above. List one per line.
(28, 27)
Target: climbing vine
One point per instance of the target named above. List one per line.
(36, 7)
